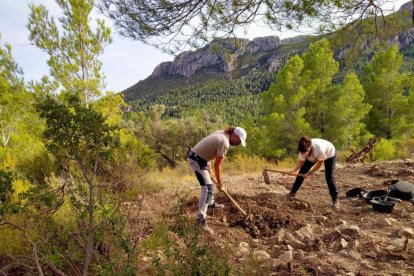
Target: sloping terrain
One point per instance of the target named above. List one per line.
(225, 69)
(305, 235)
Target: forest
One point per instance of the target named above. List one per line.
(73, 156)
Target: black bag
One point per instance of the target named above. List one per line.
(355, 192)
(403, 190)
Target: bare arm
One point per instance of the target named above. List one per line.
(316, 168)
(298, 166)
(217, 170)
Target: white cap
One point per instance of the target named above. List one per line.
(242, 135)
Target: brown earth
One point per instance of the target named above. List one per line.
(305, 235)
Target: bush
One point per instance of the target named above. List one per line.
(384, 150)
(241, 164)
(405, 147)
(178, 247)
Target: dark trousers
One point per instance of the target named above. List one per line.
(329, 176)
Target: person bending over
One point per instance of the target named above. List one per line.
(312, 153)
(212, 147)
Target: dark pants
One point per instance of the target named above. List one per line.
(329, 176)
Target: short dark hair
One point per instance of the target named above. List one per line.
(304, 143)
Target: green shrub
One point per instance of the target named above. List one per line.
(404, 147)
(384, 150)
(242, 164)
(178, 247)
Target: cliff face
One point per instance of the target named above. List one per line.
(404, 39)
(251, 62)
(221, 54)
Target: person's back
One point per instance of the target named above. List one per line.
(213, 145)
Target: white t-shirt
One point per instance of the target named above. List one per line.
(321, 150)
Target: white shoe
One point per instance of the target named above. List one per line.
(216, 205)
(290, 196)
(207, 229)
(203, 226)
(335, 204)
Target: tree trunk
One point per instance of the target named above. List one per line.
(90, 229)
(36, 259)
(171, 162)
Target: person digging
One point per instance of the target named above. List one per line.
(312, 153)
(212, 147)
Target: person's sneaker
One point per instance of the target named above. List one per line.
(203, 226)
(335, 204)
(290, 196)
(207, 229)
(216, 205)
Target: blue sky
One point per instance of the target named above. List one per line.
(125, 62)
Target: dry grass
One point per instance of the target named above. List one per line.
(238, 165)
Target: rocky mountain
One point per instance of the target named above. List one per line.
(238, 64)
(223, 54)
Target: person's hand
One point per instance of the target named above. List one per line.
(306, 175)
(219, 186)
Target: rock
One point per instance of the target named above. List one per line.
(365, 264)
(296, 244)
(350, 254)
(371, 254)
(243, 244)
(312, 258)
(263, 44)
(242, 252)
(383, 222)
(406, 232)
(397, 243)
(286, 256)
(295, 39)
(318, 245)
(321, 219)
(406, 214)
(354, 245)
(306, 232)
(349, 230)
(344, 243)
(261, 255)
(280, 235)
(299, 255)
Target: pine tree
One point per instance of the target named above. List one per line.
(283, 103)
(386, 91)
(73, 53)
(319, 69)
(346, 113)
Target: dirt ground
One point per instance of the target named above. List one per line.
(305, 236)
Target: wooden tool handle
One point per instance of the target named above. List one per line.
(234, 202)
(230, 198)
(283, 172)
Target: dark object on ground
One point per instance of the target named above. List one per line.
(376, 193)
(356, 192)
(383, 206)
(403, 190)
(360, 155)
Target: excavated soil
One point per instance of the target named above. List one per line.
(305, 235)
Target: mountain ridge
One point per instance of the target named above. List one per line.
(246, 65)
